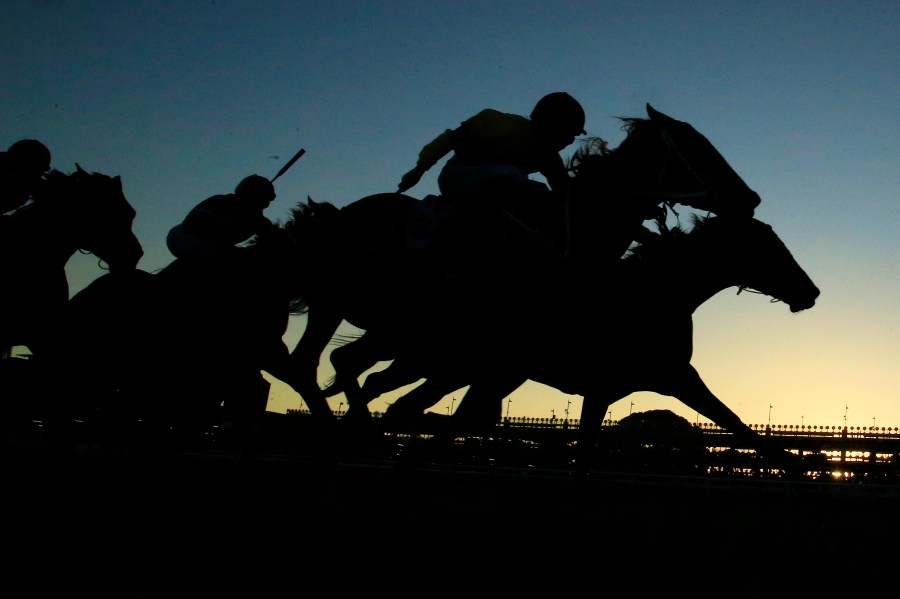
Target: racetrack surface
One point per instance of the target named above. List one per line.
(209, 525)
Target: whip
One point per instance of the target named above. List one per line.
(289, 164)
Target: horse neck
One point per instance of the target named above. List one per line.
(602, 219)
(43, 235)
(689, 279)
(701, 285)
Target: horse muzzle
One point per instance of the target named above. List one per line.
(124, 256)
(805, 303)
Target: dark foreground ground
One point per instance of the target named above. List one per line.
(213, 526)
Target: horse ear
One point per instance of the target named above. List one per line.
(79, 169)
(118, 180)
(312, 203)
(657, 116)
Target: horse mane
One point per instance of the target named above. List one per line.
(56, 184)
(46, 204)
(667, 241)
(306, 214)
(292, 235)
(55, 176)
(58, 180)
(593, 149)
(61, 189)
(590, 149)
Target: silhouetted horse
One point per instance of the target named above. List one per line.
(634, 333)
(178, 344)
(396, 267)
(79, 211)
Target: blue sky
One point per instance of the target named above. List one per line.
(184, 99)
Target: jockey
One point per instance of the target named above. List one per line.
(497, 148)
(22, 168)
(221, 222)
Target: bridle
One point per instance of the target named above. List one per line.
(772, 300)
(101, 263)
(674, 154)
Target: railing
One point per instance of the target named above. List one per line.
(780, 429)
(833, 452)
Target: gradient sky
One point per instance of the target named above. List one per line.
(183, 99)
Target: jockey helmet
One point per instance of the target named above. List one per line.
(31, 156)
(559, 110)
(256, 187)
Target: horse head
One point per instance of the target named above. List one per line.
(102, 219)
(661, 162)
(763, 262)
(717, 187)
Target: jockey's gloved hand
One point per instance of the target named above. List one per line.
(411, 178)
(264, 226)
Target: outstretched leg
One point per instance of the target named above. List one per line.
(408, 410)
(399, 373)
(687, 386)
(245, 409)
(482, 405)
(594, 407)
(478, 412)
(350, 361)
(303, 364)
(302, 374)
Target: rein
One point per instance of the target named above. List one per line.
(741, 288)
(100, 263)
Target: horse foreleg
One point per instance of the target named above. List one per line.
(398, 374)
(410, 407)
(478, 412)
(245, 408)
(482, 405)
(303, 363)
(689, 388)
(350, 361)
(594, 407)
